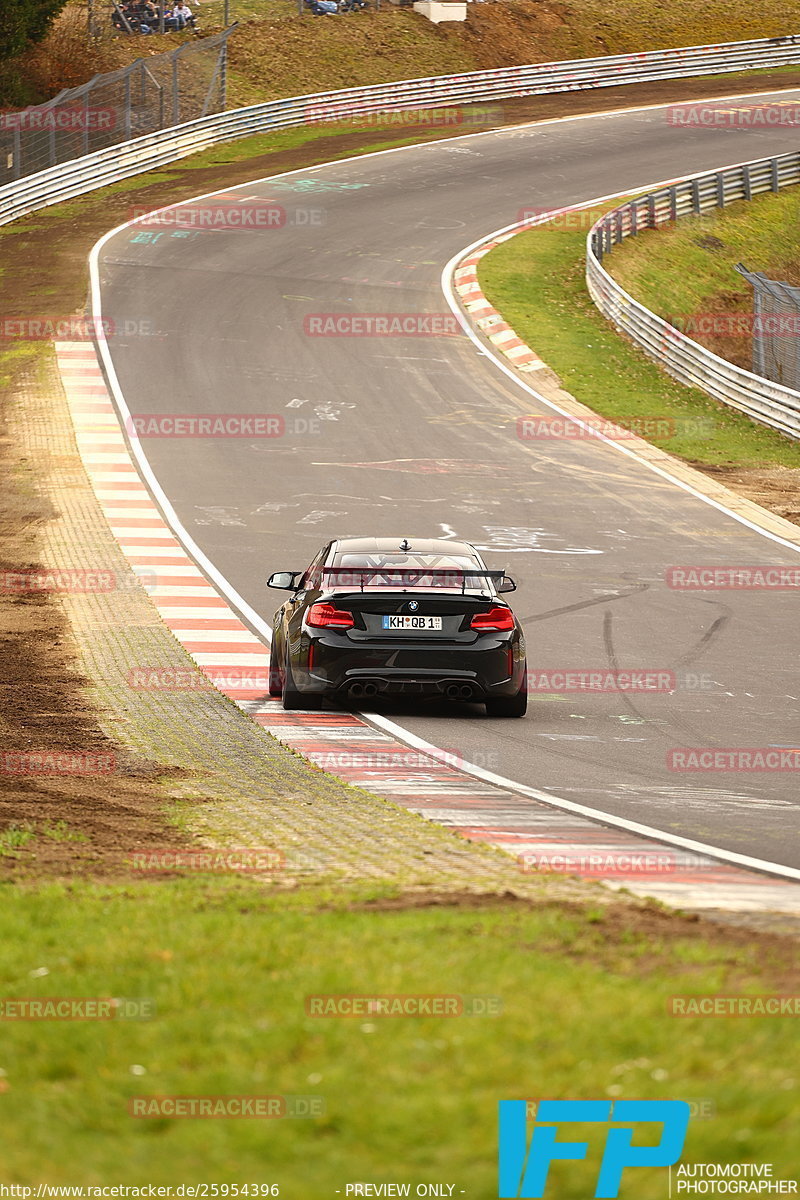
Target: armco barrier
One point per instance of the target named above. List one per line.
(142, 154)
(686, 360)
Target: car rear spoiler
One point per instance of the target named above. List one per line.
(409, 576)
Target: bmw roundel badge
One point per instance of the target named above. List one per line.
(413, 606)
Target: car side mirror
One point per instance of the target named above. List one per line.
(283, 580)
(506, 584)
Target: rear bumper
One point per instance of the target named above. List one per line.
(493, 666)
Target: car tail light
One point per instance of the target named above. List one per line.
(320, 615)
(495, 618)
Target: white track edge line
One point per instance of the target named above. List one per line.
(730, 856)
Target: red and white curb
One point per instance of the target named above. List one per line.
(429, 783)
(488, 319)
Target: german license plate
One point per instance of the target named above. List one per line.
(412, 622)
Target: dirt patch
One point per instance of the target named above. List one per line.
(78, 822)
(610, 924)
(776, 488)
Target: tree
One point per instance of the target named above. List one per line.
(23, 22)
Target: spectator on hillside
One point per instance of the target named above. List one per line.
(164, 13)
(184, 13)
(140, 15)
(148, 17)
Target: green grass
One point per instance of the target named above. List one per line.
(227, 967)
(685, 267)
(537, 281)
(14, 839)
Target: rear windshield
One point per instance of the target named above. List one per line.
(451, 572)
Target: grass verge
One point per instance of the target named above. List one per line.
(686, 269)
(537, 281)
(226, 968)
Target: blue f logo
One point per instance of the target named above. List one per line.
(523, 1169)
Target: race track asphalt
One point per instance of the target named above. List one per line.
(417, 436)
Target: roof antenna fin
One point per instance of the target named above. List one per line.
(405, 544)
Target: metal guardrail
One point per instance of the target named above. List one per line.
(686, 360)
(96, 170)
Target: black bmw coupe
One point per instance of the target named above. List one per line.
(386, 617)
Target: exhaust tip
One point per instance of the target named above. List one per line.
(369, 689)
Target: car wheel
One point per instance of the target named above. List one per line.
(275, 681)
(508, 706)
(275, 678)
(292, 699)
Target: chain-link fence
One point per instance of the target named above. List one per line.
(149, 95)
(775, 327)
(121, 18)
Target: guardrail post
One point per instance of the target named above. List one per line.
(759, 357)
(223, 75)
(746, 184)
(16, 166)
(696, 197)
(86, 121)
(673, 204)
(128, 106)
(651, 211)
(176, 108)
(773, 174)
(720, 178)
(634, 211)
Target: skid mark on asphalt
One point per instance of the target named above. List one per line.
(428, 783)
